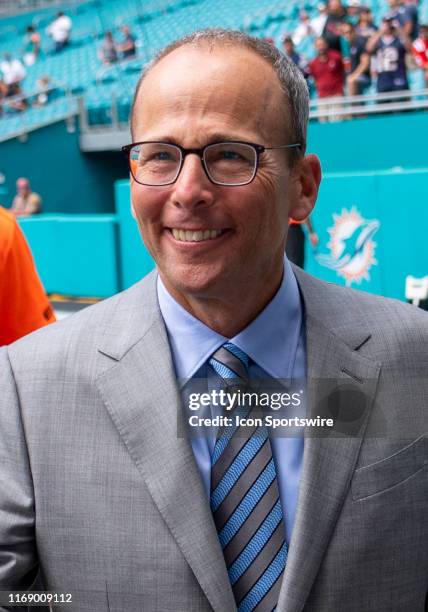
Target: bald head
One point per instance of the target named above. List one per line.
(237, 89)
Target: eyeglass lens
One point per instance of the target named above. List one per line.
(226, 163)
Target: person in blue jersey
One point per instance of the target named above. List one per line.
(388, 47)
(405, 13)
(358, 78)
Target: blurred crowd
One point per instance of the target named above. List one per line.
(57, 37)
(352, 53)
(13, 69)
(340, 50)
(111, 50)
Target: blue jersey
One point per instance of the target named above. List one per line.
(390, 56)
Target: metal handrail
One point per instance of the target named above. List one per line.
(350, 111)
(25, 96)
(376, 97)
(12, 7)
(386, 104)
(24, 130)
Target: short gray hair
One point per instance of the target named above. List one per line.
(290, 77)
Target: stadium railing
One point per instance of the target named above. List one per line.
(14, 7)
(18, 123)
(368, 104)
(338, 108)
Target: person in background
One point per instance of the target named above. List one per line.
(31, 45)
(44, 87)
(26, 202)
(108, 51)
(327, 70)
(304, 30)
(60, 31)
(365, 26)
(296, 58)
(358, 79)
(24, 306)
(411, 11)
(404, 16)
(318, 22)
(336, 16)
(420, 51)
(389, 46)
(353, 9)
(127, 48)
(13, 74)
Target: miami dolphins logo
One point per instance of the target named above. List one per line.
(352, 250)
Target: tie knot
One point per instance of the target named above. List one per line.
(230, 362)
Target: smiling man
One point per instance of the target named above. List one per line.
(100, 488)
(241, 193)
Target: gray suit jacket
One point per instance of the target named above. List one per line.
(97, 489)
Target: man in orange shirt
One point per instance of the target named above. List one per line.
(24, 306)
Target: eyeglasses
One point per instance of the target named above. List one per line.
(230, 163)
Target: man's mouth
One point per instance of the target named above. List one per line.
(196, 235)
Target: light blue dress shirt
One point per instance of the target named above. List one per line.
(275, 342)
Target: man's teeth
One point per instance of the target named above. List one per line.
(188, 236)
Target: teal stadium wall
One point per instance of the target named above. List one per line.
(394, 204)
(374, 168)
(68, 180)
(75, 255)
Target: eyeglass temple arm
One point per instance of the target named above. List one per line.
(288, 146)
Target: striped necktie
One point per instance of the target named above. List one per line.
(245, 502)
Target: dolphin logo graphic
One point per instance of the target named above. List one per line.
(353, 245)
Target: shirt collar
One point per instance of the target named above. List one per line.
(270, 340)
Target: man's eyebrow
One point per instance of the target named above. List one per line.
(216, 137)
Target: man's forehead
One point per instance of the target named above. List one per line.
(231, 79)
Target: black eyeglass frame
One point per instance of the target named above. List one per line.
(200, 152)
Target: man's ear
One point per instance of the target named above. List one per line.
(306, 179)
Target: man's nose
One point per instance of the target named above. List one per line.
(193, 187)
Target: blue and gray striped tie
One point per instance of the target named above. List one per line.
(245, 502)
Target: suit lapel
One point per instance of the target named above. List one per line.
(140, 393)
(342, 385)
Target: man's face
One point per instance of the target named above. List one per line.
(348, 32)
(335, 5)
(321, 46)
(288, 47)
(22, 187)
(423, 33)
(194, 97)
(388, 26)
